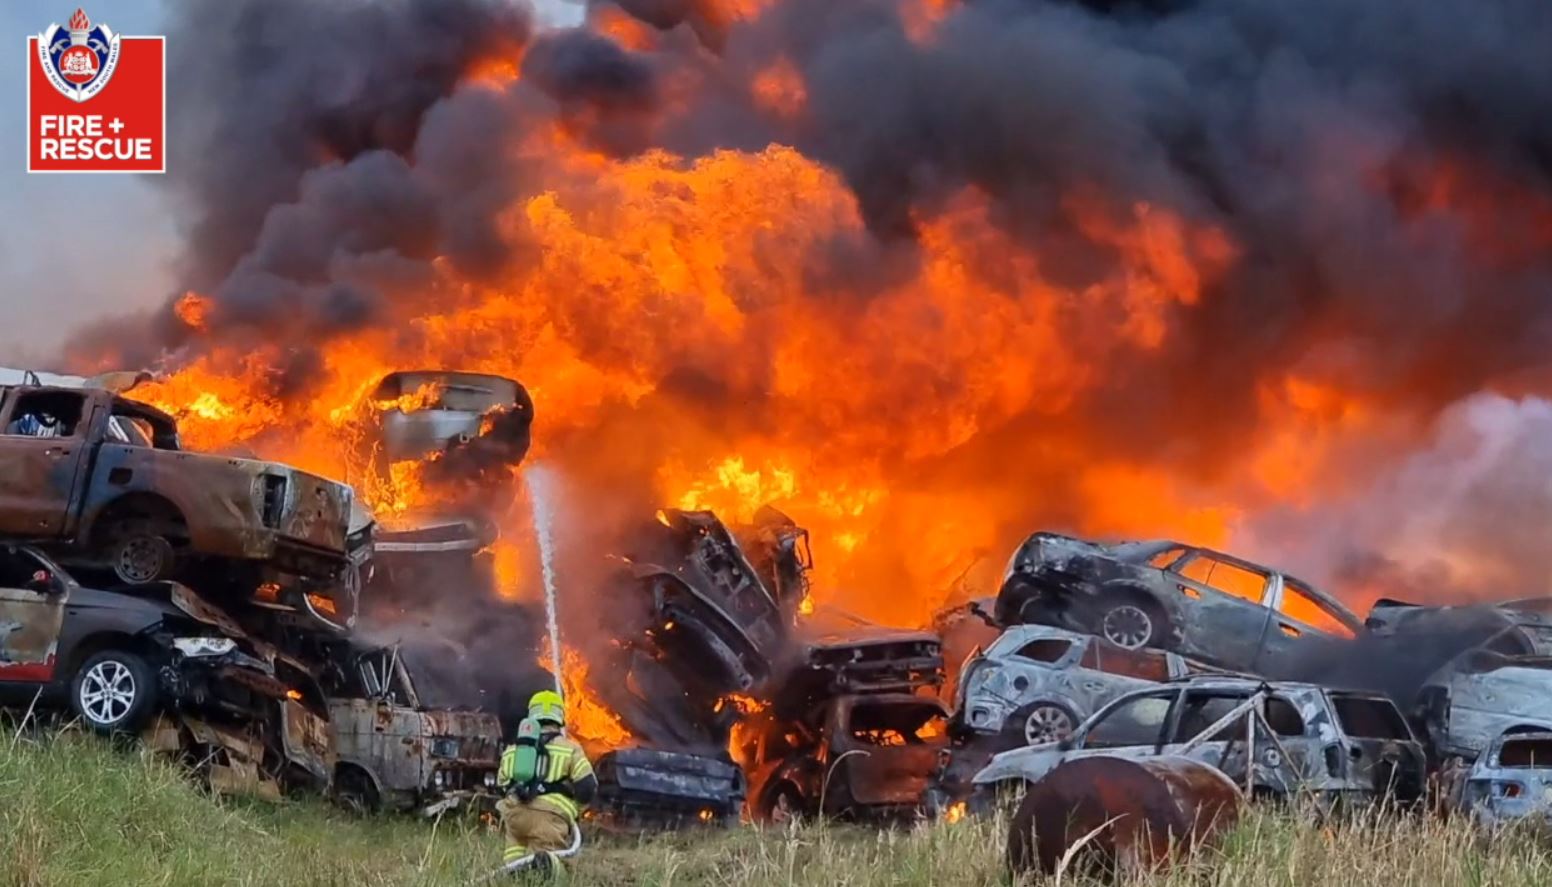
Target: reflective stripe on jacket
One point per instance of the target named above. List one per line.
(567, 763)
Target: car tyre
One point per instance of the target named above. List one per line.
(114, 691)
(1041, 722)
(354, 790)
(784, 805)
(139, 554)
(1130, 622)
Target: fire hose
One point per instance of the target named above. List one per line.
(541, 857)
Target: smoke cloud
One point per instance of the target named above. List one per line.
(1213, 214)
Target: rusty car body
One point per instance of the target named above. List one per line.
(1275, 740)
(392, 750)
(859, 756)
(658, 789)
(1201, 603)
(103, 482)
(1036, 684)
(1510, 781)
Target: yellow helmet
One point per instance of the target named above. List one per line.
(546, 705)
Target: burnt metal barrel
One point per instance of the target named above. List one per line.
(1141, 813)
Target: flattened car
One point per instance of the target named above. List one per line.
(1204, 604)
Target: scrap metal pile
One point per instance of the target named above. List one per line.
(232, 611)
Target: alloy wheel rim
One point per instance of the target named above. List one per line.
(108, 692)
(1127, 626)
(1047, 724)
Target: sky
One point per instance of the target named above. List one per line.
(75, 247)
(71, 246)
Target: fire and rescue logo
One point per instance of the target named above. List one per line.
(78, 60)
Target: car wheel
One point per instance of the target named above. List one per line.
(139, 556)
(354, 790)
(1128, 623)
(114, 692)
(1044, 722)
(785, 805)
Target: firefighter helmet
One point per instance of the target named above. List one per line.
(546, 705)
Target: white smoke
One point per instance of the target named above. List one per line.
(1464, 517)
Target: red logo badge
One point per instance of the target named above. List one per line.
(96, 100)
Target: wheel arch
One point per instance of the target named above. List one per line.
(106, 639)
(130, 503)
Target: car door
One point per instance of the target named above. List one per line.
(1227, 618)
(43, 444)
(32, 613)
(1300, 622)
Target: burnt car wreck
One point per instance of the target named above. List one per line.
(156, 658)
(1275, 740)
(1200, 603)
(103, 484)
(393, 750)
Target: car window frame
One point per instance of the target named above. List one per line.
(1081, 738)
(1269, 589)
(1313, 597)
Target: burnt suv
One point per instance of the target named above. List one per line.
(1278, 739)
(102, 482)
(1200, 603)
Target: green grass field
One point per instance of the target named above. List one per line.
(76, 811)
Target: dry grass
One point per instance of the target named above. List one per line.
(75, 811)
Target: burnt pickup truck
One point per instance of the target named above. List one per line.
(102, 482)
(397, 751)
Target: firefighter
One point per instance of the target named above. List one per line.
(547, 779)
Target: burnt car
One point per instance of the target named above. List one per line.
(1036, 684)
(645, 788)
(469, 419)
(102, 482)
(119, 659)
(711, 612)
(1515, 626)
(1482, 695)
(396, 751)
(859, 756)
(1277, 740)
(1511, 781)
(1204, 604)
(778, 550)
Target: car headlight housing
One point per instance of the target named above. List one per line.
(197, 647)
(446, 747)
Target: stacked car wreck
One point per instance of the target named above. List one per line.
(246, 615)
(196, 599)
